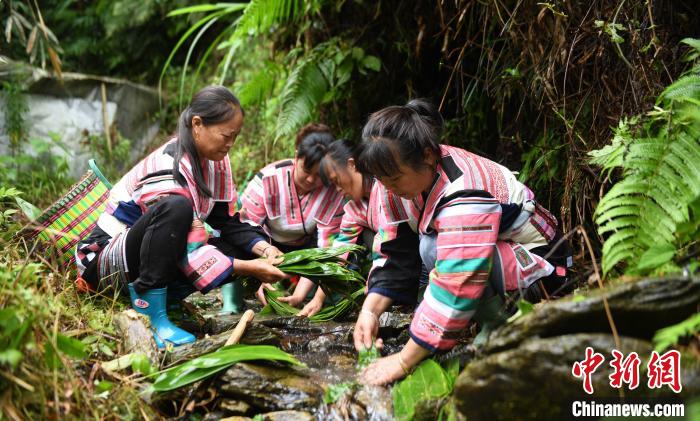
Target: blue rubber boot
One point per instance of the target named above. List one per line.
(232, 294)
(152, 304)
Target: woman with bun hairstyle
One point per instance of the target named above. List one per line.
(391, 237)
(288, 199)
(170, 227)
(481, 231)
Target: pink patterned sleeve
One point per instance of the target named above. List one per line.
(467, 230)
(253, 202)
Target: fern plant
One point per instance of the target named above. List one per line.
(311, 75)
(651, 217)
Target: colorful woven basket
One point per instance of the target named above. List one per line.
(72, 217)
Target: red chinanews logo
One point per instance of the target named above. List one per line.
(140, 303)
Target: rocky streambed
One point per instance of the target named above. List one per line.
(523, 372)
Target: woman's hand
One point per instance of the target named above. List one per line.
(383, 371)
(367, 325)
(311, 308)
(264, 249)
(293, 300)
(389, 369)
(260, 293)
(366, 330)
(273, 255)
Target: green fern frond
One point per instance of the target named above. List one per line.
(685, 87)
(661, 179)
(261, 15)
(255, 90)
(301, 97)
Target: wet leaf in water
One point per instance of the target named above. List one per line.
(427, 382)
(208, 364)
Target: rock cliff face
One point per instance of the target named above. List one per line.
(526, 368)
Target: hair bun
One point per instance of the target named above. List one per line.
(426, 109)
(309, 129)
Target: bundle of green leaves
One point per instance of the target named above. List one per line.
(326, 267)
(326, 314)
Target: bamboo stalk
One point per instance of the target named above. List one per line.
(238, 331)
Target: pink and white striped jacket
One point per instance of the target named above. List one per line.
(463, 209)
(395, 258)
(146, 183)
(271, 201)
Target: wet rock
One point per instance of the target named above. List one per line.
(255, 334)
(136, 336)
(270, 388)
(345, 408)
(638, 308)
(534, 381)
(234, 407)
(288, 416)
(377, 402)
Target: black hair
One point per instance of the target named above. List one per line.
(337, 156)
(400, 132)
(214, 105)
(312, 143)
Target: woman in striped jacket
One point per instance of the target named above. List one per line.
(170, 227)
(289, 201)
(392, 237)
(481, 231)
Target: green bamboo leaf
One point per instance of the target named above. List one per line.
(209, 364)
(229, 7)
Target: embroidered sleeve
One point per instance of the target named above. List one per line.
(328, 222)
(352, 224)
(253, 202)
(467, 229)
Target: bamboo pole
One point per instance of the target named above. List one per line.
(238, 331)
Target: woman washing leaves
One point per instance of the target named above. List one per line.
(392, 239)
(289, 201)
(481, 232)
(169, 227)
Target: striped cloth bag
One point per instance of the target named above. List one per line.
(72, 217)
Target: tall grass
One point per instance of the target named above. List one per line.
(52, 340)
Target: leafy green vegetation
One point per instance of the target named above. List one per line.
(327, 313)
(367, 356)
(671, 335)
(428, 381)
(209, 364)
(651, 217)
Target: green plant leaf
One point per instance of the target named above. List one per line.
(29, 210)
(71, 347)
(335, 391)
(10, 357)
(208, 364)
(428, 381)
(367, 356)
(141, 364)
(664, 338)
(656, 256)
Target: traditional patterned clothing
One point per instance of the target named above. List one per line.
(271, 201)
(204, 265)
(396, 264)
(477, 212)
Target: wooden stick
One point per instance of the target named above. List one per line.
(237, 333)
